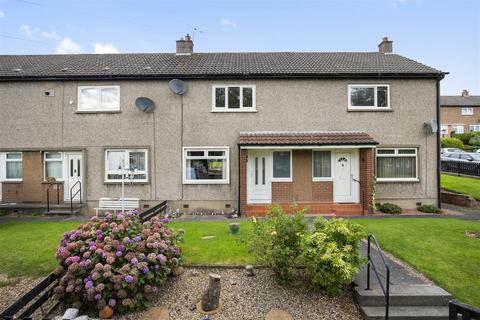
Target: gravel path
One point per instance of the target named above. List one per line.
(10, 293)
(250, 298)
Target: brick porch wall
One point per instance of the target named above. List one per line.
(366, 179)
(243, 180)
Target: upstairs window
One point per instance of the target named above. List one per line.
(132, 164)
(13, 166)
(53, 165)
(205, 165)
(467, 111)
(98, 98)
(369, 97)
(233, 98)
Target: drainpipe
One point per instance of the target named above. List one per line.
(239, 181)
(439, 188)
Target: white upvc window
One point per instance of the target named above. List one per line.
(282, 166)
(475, 127)
(397, 164)
(458, 128)
(369, 97)
(98, 98)
(53, 165)
(131, 164)
(13, 166)
(444, 129)
(206, 165)
(233, 98)
(467, 111)
(321, 165)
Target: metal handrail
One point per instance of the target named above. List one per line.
(48, 194)
(78, 191)
(386, 288)
(150, 213)
(468, 312)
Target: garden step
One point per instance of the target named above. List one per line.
(406, 313)
(403, 295)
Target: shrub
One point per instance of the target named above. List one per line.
(276, 241)
(234, 227)
(118, 262)
(331, 253)
(428, 208)
(474, 141)
(452, 143)
(390, 208)
(464, 137)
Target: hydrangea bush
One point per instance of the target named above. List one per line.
(117, 261)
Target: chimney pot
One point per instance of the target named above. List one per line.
(185, 45)
(465, 93)
(386, 46)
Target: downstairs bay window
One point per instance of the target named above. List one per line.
(397, 164)
(132, 164)
(206, 165)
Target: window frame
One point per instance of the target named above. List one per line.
(375, 107)
(206, 149)
(320, 179)
(45, 160)
(474, 128)
(456, 126)
(127, 151)
(253, 108)
(467, 111)
(287, 179)
(13, 160)
(397, 155)
(97, 109)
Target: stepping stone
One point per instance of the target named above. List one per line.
(278, 314)
(157, 313)
(207, 237)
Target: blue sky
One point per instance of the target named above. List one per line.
(440, 33)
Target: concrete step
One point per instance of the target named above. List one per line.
(406, 313)
(403, 295)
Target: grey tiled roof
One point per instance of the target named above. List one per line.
(306, 138)
(211, 65)
(459, 101)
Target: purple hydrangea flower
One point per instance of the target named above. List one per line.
(134, 261)
(145, 269)
(157, 267)
(137, 239)
(121, 247)
(112, 302)
(128, 278)
(98, 296)
(118, 253)
(89, 284)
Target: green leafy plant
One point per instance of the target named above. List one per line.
(276, 240)
(474, 141)
(452, 143)
(428, 208)
(465, 137)
(331, 253)
(374, 194)
(234, 227)
(389, 208)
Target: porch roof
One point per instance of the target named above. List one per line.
(314, 138)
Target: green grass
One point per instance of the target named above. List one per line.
(436, 247)
(224, 248)
(28, 248)
(464, 185)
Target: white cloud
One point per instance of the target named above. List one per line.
(228, 23)
(50, 35)
(29, 31)
(105, 48)
(68, 46)
(2, 14)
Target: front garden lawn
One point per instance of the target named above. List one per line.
(438, 248)
(459, 184)
(28, 248)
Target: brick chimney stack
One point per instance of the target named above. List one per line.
(465, 93)
(185, 46)
(386, 46)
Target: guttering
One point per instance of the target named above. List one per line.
(306, 146)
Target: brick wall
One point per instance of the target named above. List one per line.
(322, 191)
(453, 115)
(243, 179)
(366, 178)
(282, 192)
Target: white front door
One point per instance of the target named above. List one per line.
(345, 188)
(259, 182)
(74, 176)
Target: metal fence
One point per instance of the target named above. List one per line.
(464, 168)
(467, 312)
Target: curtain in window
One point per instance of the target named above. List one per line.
(54, 169)
(115, 160)
(322, 165)
(137, 161)
(14, 170)
(396, 167)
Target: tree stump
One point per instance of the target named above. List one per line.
(211, 297)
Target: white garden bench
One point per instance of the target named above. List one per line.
(115, 204)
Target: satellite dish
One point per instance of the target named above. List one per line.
(434, 126)
(178, 86)
(144, 104)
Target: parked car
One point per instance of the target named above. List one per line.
(462, 157)
(450, 150)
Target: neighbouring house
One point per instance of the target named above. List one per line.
(252, 129)
(459, 114)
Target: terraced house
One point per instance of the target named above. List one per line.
(247, 129)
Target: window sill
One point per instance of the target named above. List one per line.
(282, 180)
(322, 179)
(374, 109)
(12, 181)
(198, 182)
(98, 111)
(233, 111)
(397, 180)
(127, 182)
